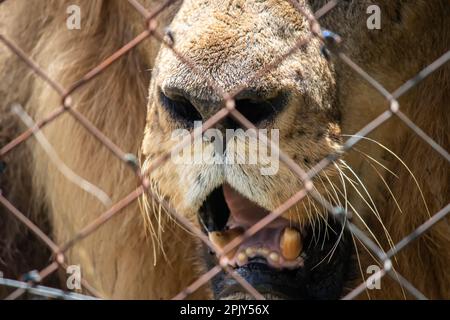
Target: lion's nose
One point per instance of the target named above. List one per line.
(259, 107)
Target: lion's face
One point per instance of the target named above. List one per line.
(228, 42)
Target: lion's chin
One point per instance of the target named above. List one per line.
(283, 260)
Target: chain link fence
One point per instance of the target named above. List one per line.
(30, 281)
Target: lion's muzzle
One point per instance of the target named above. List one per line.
(284, 259)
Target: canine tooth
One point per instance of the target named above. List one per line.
(274, 256)
(290, 244)
(221, 239)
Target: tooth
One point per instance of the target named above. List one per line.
(263, 252)
(221, 239)
(290, 244)
(241, 258)
(274, 256)
(250, 251)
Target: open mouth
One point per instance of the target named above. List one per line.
(283, 260)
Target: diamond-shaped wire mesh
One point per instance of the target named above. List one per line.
(330, 41)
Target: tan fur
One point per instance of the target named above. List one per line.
(121, 259)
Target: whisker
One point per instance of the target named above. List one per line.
(332, 250)
(358, 215)
(360, 265)
(338, 200)
(374, 208)
(148, 224)
(376, 161)
(403, 164)
(310, 219)
(387, 187)
(311, 204)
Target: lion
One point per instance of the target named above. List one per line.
(391, 181)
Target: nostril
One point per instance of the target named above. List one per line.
(259, 110)
(249, 103)
(180, 108)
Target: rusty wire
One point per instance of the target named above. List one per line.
(228, 110)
